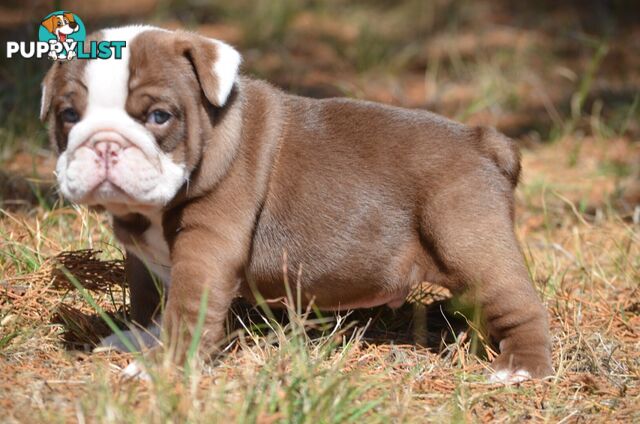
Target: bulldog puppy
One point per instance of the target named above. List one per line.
(210, 176)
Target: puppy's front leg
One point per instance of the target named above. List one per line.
(145, 297)
(204, 260)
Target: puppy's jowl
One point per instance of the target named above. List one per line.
(209, 176)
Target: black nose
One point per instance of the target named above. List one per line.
(73, 25)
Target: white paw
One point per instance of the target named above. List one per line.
(509, 377)
(138, 338)
(135, 370)
(113, 342)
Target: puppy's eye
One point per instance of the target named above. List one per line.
(158, 117)
(70, 115)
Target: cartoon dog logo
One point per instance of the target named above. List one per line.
(61, 26)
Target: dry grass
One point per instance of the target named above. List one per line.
(577, 220)
(288, 370)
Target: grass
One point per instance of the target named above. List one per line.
(297, 370)
(419, 363)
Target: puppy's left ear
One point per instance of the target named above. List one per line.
(47, 92)
(69, 17)
(216, 64)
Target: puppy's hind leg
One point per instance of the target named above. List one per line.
(470, 231)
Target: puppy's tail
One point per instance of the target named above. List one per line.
(502, 150)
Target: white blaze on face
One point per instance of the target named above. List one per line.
(141, 174)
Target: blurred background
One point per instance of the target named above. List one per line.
(563, 78)
(560, 77)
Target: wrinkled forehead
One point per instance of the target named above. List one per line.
(148, 58)
(109, 81)
(154, 60)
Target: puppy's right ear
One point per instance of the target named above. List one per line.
(49, 23)
(47, 92)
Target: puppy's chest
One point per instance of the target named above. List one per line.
(144, 237)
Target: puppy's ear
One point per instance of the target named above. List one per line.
(47, 92)
(49, 23)
(216, 64)
(69, 17)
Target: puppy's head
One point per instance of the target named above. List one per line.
(130, 131)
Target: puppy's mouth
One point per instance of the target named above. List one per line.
(110, 197)
(62, 37)
(107, 191)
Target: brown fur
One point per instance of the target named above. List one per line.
(368, 200)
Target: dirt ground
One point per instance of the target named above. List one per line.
(563, 80)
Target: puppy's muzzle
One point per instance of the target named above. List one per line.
(107, 152)
(108, 147)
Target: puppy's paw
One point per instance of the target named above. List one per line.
(138, 338)
(139, 369)
(507, 377)
(135, 371)
(114, 342)
(515, 367)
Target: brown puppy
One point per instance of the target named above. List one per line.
(210, 176)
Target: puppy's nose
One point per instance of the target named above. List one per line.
(108, 151)
(73, 25)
